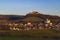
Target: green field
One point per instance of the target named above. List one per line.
(31, 35)
(22, 38)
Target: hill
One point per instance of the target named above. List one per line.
(30, 16)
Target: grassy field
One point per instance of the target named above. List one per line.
(31, 35)
(22, 38)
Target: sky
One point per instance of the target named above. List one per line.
(23, 7)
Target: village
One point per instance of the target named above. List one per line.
(30, 26)
(32, 22)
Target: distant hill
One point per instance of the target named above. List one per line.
(11, 17)
(54, 19)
